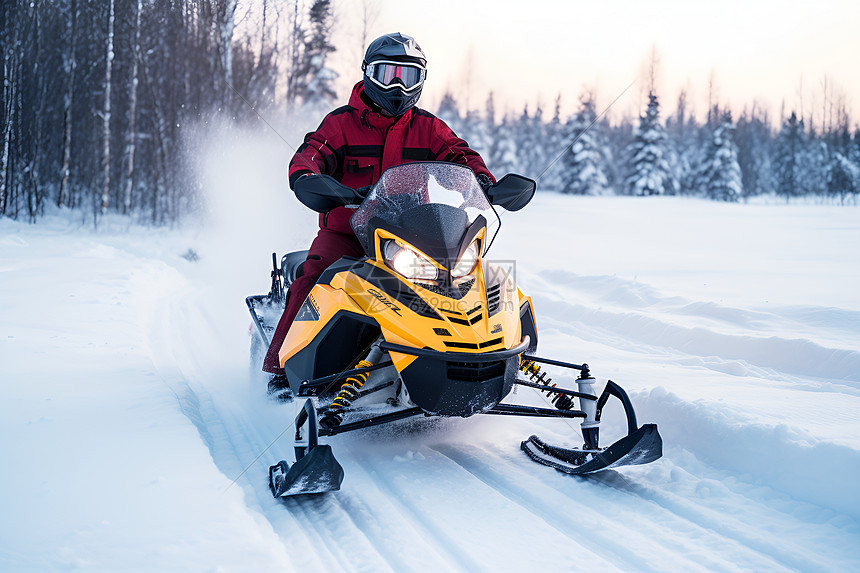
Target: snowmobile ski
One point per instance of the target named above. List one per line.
(315, 471)
(641, 447)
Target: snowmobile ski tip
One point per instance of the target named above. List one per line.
(317, 472)
(641, 447)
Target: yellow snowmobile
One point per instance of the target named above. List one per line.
(423, 325)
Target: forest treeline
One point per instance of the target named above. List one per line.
(721, 158)
(104, 105)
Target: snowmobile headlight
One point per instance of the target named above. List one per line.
(467, 262)
(409, 263)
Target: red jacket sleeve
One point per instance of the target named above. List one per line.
(456, 150)
(317, 153)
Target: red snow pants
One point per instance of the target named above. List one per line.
(327, 248)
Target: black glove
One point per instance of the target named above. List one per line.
(484, 181)
(363, 191)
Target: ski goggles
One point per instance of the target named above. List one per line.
(386, 74)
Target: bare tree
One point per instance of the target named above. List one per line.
(34, 194)
(9, 85)
(713, 99)
(800, 97)
(648, 73)
(653, 66)
(368, 13)
(106, 112)
(295, 53)
(226, 24)
(132, 112)
(68, 100)
(468, 73)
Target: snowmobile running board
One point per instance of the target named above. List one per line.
(641, 447)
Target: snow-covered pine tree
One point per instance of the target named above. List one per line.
(842, 174)
(490, 130)
(853, 156)
(609, 153)
(815, 158)
(753, 138)
(698, 154)
(530, 143)
(449, 112)
(650, 170)
(490, 113)
(723, 181)
(314, 82)
(682, 133)
(788, 157)
(320, 89)
(585, 170)
(475, 132)
(554, 144)
(539, 156)
(504, 156)
(524, 144)
(619, 140)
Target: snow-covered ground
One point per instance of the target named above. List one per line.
(131, 437)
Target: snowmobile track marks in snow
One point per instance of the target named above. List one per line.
(421, 516)
(659, 539)
(570, 524)
(734, 525)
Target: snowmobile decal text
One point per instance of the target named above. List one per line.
(384, 300)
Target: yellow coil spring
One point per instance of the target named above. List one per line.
(561, 401)
(347, 393)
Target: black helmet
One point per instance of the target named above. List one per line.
(394, 70)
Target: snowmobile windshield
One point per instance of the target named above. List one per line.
(402, 191)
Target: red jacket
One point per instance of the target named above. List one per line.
(355, 144)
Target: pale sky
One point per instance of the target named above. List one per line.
(534, 49)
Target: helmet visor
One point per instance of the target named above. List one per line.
(386, 74)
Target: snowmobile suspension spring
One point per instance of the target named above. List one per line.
(348, 392)
(561, 401)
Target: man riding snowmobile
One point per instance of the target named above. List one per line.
(355, 144)
(397, 314)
